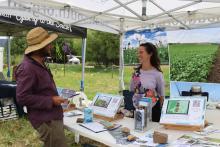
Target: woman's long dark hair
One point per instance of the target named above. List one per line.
(154, 60)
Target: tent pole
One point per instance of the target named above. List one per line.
(121, 57)
(8, 57)
(83, 63)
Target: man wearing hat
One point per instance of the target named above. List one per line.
(37, 91)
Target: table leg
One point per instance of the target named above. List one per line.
(77, 137)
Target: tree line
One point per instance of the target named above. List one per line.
(102, 48)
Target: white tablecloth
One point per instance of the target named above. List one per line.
(213, 116)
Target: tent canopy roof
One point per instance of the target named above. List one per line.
(116, 16)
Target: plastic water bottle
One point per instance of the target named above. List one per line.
(88, 115)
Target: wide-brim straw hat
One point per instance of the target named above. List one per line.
(38, 38)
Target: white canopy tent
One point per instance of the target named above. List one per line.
(119, 16)
(105, 15)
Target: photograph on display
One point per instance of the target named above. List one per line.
(178, 107)
(102, 101)
(158, 36)
(106, 104)
(132, 40)
(194, 62)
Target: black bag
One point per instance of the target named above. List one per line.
(190, 93)
(128, 100)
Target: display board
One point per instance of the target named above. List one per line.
(133, 38)
(106, 104)
(184, 111)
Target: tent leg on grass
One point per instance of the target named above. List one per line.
(83, 63)
(121, 58)
(8, 57)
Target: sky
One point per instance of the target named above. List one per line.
(132, 39)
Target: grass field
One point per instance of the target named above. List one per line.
(96, 79)
(19, 133)
(191, 62)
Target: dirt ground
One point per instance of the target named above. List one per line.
(214, 75)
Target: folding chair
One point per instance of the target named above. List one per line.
(8, 106)
(7, 109)
(128, 100)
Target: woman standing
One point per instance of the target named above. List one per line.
(147, 79)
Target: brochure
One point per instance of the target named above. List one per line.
(94, 126)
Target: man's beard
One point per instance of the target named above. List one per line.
(44, 53)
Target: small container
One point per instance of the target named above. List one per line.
(65, 105)
(196, 89)
(88, 115)
(139, 120)
(146, 103)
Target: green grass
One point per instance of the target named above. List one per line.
(191, 62)
(20, 133)
(96, 79)
(15, 59)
